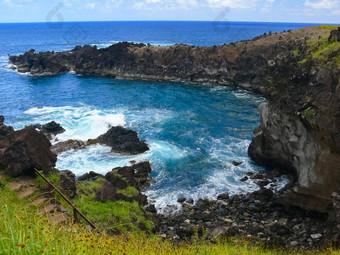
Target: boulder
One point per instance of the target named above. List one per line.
(221, 232)
(118, 182)
(107, 193)
(124, 141)
(68, 183)
(51, 128)
(25, 150)
(137, 175)
(334, 36)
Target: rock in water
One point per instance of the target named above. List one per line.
(123, 141)
(24, 150)
(51, 128)
(236, 163)
(68, 145)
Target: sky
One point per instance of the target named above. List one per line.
(305, 11)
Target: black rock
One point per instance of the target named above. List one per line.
(26, 149)
(91, 176)
(123, 141)
(245, 178)
(223, 197)
(181, 200)
(236, 163)
(116, 181)
(51, 128)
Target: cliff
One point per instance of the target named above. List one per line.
(297, 71)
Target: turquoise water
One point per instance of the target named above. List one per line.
(194, 131)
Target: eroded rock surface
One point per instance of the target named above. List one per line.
(22, 151)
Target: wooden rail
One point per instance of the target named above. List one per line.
(75, 209)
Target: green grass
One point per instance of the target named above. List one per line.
(129, 191)
(54, 178)
(119, 215)
(332, 27)
(296, 52)
(23, 232)
(322, 49)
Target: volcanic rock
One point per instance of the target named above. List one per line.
(122, 140)
(25, 150)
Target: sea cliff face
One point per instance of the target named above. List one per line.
(297, 71)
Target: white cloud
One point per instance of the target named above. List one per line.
(323, 4)
(15, 4)
(232, 3)
(267, 5)
(163, 4)
(322, 7)
(90, 6)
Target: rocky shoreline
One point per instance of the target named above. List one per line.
(260, 217)
(298, 72)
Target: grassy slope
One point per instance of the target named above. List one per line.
(321, 49)
(22, 231)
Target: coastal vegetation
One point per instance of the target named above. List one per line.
(23, 231)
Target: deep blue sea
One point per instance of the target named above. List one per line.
(194, 131)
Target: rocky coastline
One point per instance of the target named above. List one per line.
(298, 72)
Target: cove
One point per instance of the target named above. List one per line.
(194, 131)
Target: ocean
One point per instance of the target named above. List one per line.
(194, 131)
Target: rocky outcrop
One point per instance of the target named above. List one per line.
(22, 151)
(126, 183)
(122, 140)
(297, 71)
(50, 129)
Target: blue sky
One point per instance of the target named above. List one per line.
(309, 11)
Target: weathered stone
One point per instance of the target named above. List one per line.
(25, 150)
(68, 183)
(116, 181)
(107, 193)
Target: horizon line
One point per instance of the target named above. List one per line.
(286, 22)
